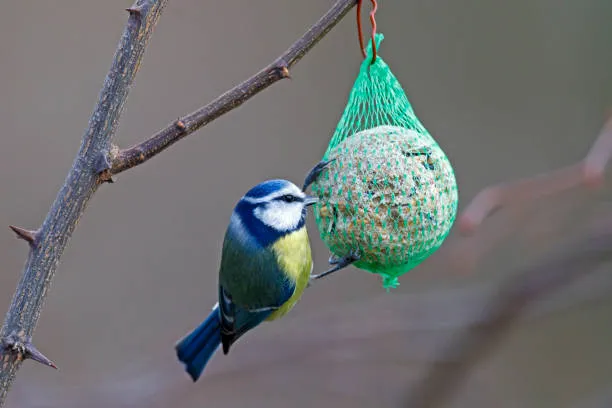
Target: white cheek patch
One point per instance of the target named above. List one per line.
(280, 216)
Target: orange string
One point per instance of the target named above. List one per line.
(360, 31)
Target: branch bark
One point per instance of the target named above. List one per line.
(81, 183)
(589, 171)
(277, 70)
(95, 164)
(502, 311)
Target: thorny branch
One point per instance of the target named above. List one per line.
(48, 243)
(96, 162)
(277, 70)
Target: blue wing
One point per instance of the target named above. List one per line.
(251, 284)
(236, 320)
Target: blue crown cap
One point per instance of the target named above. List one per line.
(266, 187)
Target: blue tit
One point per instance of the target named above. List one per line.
(265, 266)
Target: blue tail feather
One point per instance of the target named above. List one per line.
(195, 349)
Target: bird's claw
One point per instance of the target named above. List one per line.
(353, 256)
(339, 262)
(334, 259)
(314, 173)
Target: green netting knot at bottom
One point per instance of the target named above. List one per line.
(389, 282)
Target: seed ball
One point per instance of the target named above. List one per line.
(390, 195)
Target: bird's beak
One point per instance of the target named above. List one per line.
(310, 200)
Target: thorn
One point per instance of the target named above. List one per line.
(285, 72)
(103, 167)
(135, 11)
(26, 235)
(180, 125)
(32, 353)
(24, 349)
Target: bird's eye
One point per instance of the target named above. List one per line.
(288, 198)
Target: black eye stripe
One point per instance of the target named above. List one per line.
(289, 198)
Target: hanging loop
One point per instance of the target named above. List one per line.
(360, 31)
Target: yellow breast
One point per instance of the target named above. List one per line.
(295, 259)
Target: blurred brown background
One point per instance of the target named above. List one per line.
(509, 89)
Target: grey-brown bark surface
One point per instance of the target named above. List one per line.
(96, 162)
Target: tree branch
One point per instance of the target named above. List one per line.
(588, 171)
(277, 70)
(96, 162)
(80, 185)
(503, 310)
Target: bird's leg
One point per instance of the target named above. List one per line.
(339, 263)
(314, 173)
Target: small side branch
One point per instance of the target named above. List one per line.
(594, 165)
(503, 310)
(589, 171)
(97, 160)
(233, 98)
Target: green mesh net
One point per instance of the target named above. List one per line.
(390, 195)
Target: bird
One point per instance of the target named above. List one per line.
(266, 263)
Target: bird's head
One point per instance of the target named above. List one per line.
(272, 209)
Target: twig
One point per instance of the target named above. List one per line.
(503, 310)
(233, 98)
(80, 185)
(96, 162)
(589, 171)
(599, 155)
